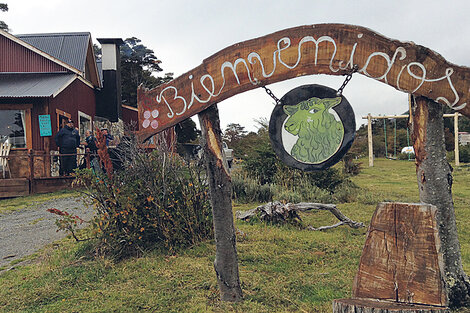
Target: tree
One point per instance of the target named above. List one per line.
(233, 133)
(3, 8)
(434, 176)
(138, 64)
(186, 131)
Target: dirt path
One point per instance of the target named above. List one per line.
(25, 231)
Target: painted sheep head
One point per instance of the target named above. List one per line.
(319, 133)
(308, 112)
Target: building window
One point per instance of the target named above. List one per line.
(84, 124)
(62, 118)
(13, 127)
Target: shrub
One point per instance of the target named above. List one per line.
(291, 185)
(157, 200)
(246, 189)
(464, 154)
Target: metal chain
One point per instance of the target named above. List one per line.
(347, 79)
(339, 92)
(270, 93)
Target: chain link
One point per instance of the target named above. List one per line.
(347, 79)
(271, 94)
(339, 92)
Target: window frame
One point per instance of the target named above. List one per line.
(27, 116)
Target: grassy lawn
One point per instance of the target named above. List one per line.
(282, 269)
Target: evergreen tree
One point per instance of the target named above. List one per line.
(3, 8)
(138, 64)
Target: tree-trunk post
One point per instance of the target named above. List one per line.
(456, 139)
(434, 176)
(220, 184)
(369, 140)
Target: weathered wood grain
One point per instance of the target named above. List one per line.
(314, 49)
(401, 260)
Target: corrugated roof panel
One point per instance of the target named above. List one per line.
(33, 85)
(17, 58)
(70, 48)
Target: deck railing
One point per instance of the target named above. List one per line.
(30, 160)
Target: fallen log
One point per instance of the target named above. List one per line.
(277, 212)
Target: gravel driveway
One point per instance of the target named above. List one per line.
(25, 231)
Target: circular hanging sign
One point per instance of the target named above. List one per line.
(312, 127)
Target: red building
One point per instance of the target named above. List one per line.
(44, 80)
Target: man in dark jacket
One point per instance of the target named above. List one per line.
(68, 139)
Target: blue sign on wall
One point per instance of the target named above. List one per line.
(45, 128)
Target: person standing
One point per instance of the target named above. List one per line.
(67, 139)
(108, 137)
(90, 144)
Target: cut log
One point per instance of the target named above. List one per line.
(380, 306)
(402, 258)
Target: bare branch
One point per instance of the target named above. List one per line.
(280, 213)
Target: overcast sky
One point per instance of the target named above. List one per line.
(183, 32)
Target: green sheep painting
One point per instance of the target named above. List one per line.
(319, 134)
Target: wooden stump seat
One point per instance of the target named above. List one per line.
(401, 266)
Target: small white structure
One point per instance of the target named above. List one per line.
(408, 150)
(464, 138)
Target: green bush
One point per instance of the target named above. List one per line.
(157, 201)
(291, 185)
(247, 189)
(464, 154)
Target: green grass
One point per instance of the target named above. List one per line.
(282, 269)
(18, 203)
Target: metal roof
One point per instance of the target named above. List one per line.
(70, 48)
(33, 85)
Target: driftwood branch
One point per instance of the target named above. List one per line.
(277, 212)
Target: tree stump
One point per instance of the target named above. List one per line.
(401, 267)
(380, 306)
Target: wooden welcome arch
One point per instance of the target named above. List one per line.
(321, 49)
(316, 49)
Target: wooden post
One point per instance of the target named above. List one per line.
(434, 176)
(369, 139)
(31, 171)
(87, 156)
(456, 139)
(220, 184)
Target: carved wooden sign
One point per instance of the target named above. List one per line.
(316, 49)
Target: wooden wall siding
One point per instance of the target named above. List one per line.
(14, 187)
(130, 115)
(315, 49)
(19, 163)
(76, 97)
(39, 108)
(16, 58)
